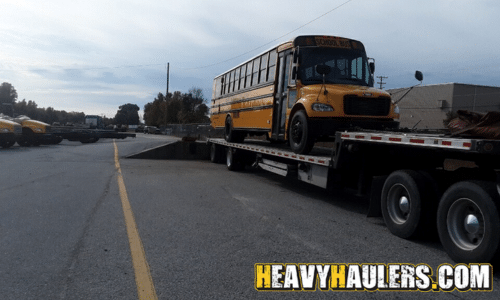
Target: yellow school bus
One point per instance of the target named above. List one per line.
(301, 91)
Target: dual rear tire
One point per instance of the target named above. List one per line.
(467, 216)
(469, 223)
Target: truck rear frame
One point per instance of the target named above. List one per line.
(416, 181)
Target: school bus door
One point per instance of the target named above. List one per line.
(281, 95)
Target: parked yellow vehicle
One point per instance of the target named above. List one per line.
(33, 132)
(9, 132)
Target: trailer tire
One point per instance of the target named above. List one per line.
(300, 139)
(216, 153)
(233, 161)
(7, 144)
(36, 142)
(231, 135)
(24, 141)
(402, 203)
(468, 222)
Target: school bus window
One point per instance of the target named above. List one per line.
(263, 68)
(232, 80)
(242, 77)
(255, 79)
(272, 65)
(218, 86)
(236, 79)
(222, 85)
(248, 80)
(226, 83)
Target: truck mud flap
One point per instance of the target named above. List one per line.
(375, 196)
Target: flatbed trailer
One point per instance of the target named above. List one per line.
(86, 135)
(418, 182)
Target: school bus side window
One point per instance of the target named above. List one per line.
(231, 87)
(218, 86)
(236, 80)
(242, 77)
(248, 81)
(272, 65)
(256, 64)
(263, 68)
(227, 83)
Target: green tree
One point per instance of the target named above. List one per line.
(8, 93)
(8, 97)
(127, 114)
(177, 108)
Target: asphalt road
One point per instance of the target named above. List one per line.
(63, 233)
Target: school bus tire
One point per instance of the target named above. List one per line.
(468, 222)
(231, 135)
(233, 161)
(300, 139)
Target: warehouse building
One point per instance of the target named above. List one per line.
(426, 106)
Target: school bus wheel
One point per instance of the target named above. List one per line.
(231, 135)
(301, 139)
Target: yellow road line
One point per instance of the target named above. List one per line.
(143, 279)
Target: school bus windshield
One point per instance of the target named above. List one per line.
(347, 66)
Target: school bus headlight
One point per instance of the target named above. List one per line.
(396, 110)
(321, 107)
(4, 130)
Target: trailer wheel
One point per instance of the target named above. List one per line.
(402, 203)
(36, 141)
(468, 221)
(7, 144)
(216, 153)
(24, 141)
(231, 135)
(233, 160)
(301, 140)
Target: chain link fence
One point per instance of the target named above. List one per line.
(198, 131)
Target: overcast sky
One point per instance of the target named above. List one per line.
(92, 56)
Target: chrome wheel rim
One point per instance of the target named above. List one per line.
(465, 222)
(398, 204)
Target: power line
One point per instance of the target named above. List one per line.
(381, 82)
(273, 41)
(206, 66)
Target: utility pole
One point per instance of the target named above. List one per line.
(381, 81)
(168, 78)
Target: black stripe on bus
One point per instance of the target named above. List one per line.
(245, 100)
(243, 109)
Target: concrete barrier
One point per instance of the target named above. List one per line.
(195, 150)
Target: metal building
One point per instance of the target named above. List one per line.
(426, 106)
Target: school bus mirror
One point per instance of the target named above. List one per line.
(372, 67)
(419, 76)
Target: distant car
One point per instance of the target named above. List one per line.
(139, 129)
(153, 130)
(146, 129)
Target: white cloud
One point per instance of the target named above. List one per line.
(45, 43)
